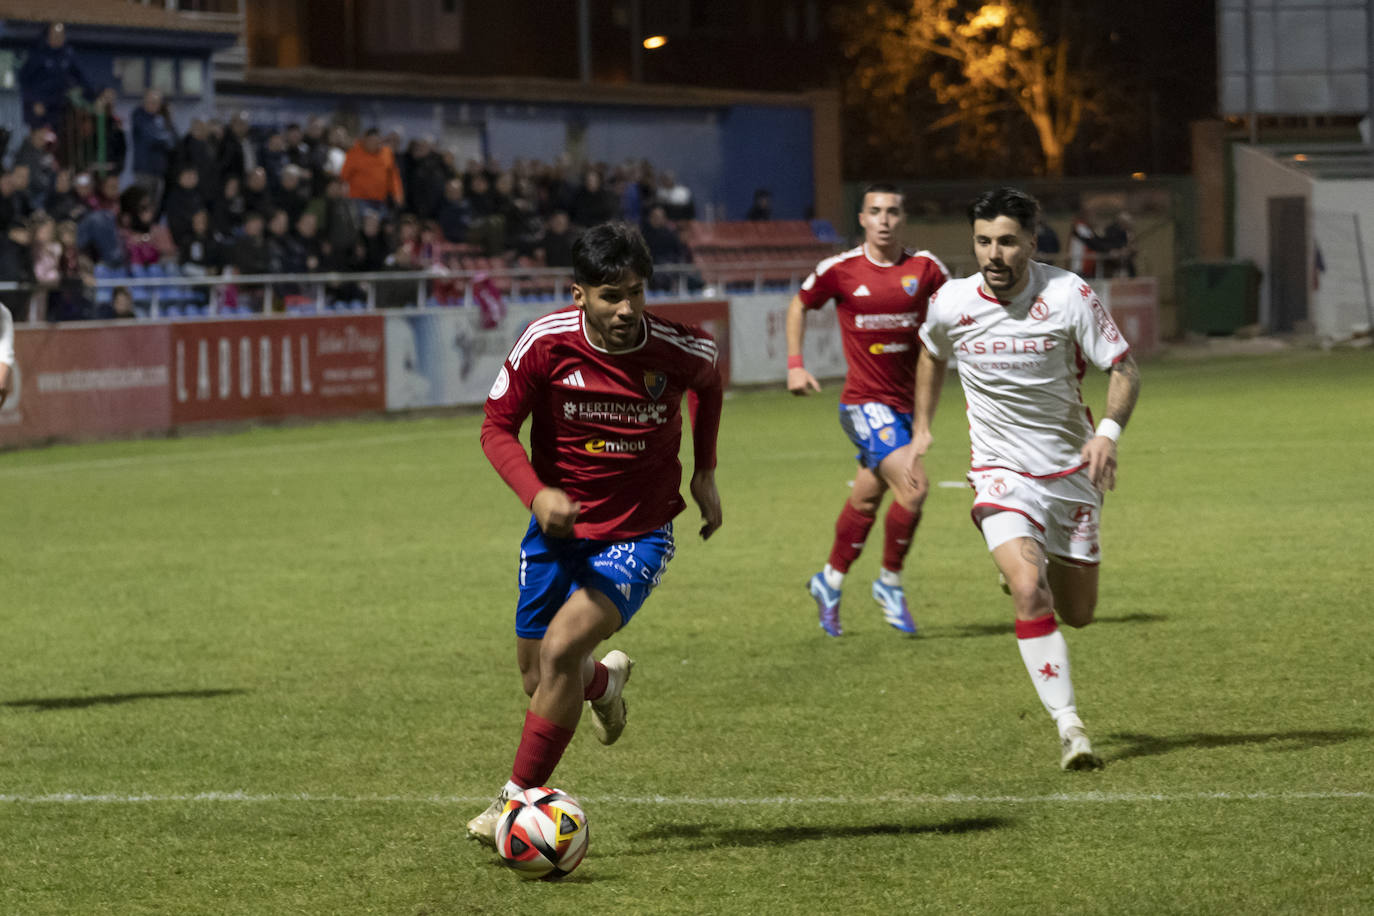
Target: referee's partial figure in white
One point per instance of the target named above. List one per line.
(6, 354)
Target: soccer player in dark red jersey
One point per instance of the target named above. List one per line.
(603, 382)
(881, 291)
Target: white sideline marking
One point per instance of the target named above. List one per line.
(1108, 798)
(95, 464)
(953, 484)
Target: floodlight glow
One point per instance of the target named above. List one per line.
(655, 41)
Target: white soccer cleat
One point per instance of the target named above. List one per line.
(1078, 751)
(482, 828)
(609, 710)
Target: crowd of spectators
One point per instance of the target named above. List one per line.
(211, 197)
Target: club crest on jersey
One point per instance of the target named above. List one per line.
(655, 382)
(910, 284)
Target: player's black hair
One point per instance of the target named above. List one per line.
(882, 187)
(1012, 202)
(603, 254)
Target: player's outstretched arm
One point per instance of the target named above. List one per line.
(930, 380)
(799, 381)
(707, 498)
(1123, 388)
(706, 403)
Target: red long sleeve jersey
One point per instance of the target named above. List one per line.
(880, 306)
(605, 427)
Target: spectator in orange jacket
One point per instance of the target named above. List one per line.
(370, 172)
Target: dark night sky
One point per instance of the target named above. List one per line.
(1169, 46)
(1162, 54)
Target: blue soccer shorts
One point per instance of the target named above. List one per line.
(876, 429)
(551, 569)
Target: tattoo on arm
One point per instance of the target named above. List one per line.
(1122, 390)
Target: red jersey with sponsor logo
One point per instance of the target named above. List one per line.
(605, 427)
(880, 307)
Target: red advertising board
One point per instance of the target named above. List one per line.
(298, 367)
(712, 316)
(124, 379)
(77, 383)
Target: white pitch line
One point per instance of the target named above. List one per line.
(99, 464)
(1107, 798)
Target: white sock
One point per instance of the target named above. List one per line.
(888, 577)
(833, 577)
(1047, 662)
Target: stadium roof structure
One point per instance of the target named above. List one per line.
(117, 14)
(1336, 161)
(519, 89)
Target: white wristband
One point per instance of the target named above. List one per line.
(1109, 428)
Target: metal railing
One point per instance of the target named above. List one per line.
(164, 296)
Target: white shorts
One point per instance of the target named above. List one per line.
(1062, 513)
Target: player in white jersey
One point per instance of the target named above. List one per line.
(1022, 334)
(6, 354)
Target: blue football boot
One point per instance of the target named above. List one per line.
(827, 604)
(893, 601)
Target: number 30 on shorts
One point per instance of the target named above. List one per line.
(879, 415)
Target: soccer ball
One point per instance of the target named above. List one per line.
(542, 833)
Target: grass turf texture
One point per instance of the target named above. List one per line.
(319, 620)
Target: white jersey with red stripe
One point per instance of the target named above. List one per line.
(6, 337)
(1021, 364)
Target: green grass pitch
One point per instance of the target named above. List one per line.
(273, 672)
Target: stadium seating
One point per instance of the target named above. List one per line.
(727, 253)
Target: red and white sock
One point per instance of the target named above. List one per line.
(541, 747)
(1046, 655)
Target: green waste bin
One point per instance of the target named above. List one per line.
(1218, 296)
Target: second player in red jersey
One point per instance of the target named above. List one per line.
(881, 292)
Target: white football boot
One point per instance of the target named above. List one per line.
(1078, 751)
(608, 710)
(482, 828)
